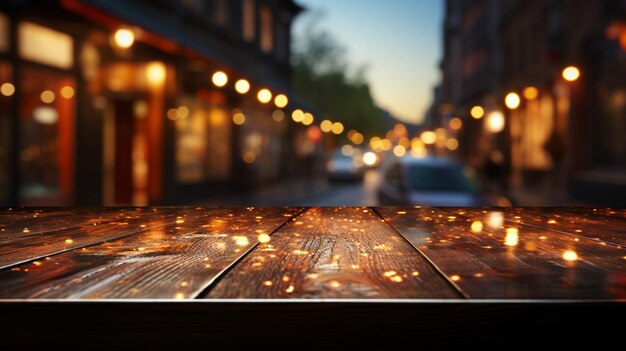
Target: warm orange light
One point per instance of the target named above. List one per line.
(264, 96)
(124, 38)
(347, 150)
(385, 144)
(452, 144)
(7, 89)
(172, 114)
(495, 219)
(326, 126)
(531, 93)
(399, 129)
(182, 112)
(220, 79)
(47, 96)
(476, 227)
(495, 122)
(242, 86)
(337, 128)
(512, 101)
(357, 138)
(456, 123)
(67, 92)
(571, 74)
(281, 100)
(428, 137)
(512, 237)
(570, 255)
(307, 119)
(297, 115)
(239, 118)
(155, 73)
(399, 151)
(477, 112)
(314, 133)
(249, 157)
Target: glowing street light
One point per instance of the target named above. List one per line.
(495, 122)
(571, 74)
(124, 38)
(512, 101)
(456, 123)
(219, 79)
(452, 144)
(297, 115)
(337, 128)
(242, 86)
(531, 93)
(307, 119)
(7, 89)
(281, 100)
(155, 73)
(264, 96)
(326, 126)
(477, 112)
(239, 118)
(428, 137)
(370, 158)
(399, 151)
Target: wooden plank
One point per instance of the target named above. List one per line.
(580, 222)
(17, 223)
(30, 246)
(177, 260)
(489, 258)
(343, 252)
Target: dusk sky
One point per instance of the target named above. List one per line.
(399, 40)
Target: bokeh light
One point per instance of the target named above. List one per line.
(219, 78)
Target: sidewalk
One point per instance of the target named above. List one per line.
(286, 193)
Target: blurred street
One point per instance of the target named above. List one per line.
(302, 102)
(319, 192)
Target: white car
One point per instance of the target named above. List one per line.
(432, 181)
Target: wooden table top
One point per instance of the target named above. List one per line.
(327, 253)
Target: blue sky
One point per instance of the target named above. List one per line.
(399, 40)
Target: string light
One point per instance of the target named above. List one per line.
(242, 86)
(220, 79)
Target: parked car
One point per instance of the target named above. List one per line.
(344, 165)
(432, 181)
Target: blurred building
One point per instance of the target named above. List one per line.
(117, 102)
(566, 134)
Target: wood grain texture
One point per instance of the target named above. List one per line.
(488, 257)
(177, 258)
(603, 225)
(19, 222)
(334, 253)
(27, 246)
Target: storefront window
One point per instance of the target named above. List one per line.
(203, 141)
(46, 143)
(44, 45)
(261, 144)
(190, 143)
(218, 152)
